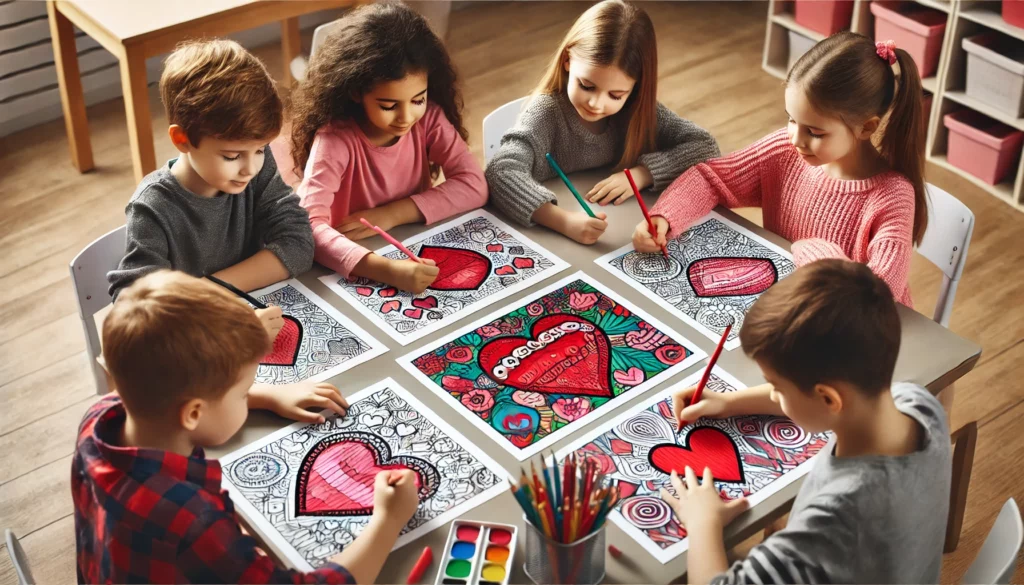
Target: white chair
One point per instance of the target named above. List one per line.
(299, 64)
(997, 559)
(945, 243)
(497, 123)
(19, 560)
(89, 277)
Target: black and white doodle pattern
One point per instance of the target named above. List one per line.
(665, 280)
(265, 474)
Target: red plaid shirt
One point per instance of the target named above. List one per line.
(149, 516)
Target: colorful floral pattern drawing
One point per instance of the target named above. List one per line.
(481, 260)
(713, 274)
(316, 343)
(752, 456)
(308, 489)
(528, 373)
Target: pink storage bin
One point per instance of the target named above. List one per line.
(982, 146)
(824, 16)
(1013, 12)
(916, 29)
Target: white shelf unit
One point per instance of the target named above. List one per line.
(964, 18)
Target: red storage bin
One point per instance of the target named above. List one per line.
(982, 146)
(824, 16)
(1013, 12)
(916, 29)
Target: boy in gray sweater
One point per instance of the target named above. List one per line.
(873, 507)
(221, 207)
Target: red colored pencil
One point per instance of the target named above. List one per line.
(643, 208)
(707, 373)
(616, 553)
(391, 240)
(426, 557)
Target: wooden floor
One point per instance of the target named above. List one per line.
(710, 55)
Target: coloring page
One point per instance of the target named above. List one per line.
(482, 260)
(316, 343)
(532, 372)
(714, 273)
(307, 489)
(752, 456)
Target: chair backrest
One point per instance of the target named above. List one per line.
(321, 33)
(997, 559)
(945, 243)
(89, 276)
(19, 560)
(497, 123)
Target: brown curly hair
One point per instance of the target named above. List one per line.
(376, 42)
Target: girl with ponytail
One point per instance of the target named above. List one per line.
(845, 179)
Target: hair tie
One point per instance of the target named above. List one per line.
(886, 51)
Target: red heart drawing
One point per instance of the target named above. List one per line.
(702, 447)
(425, 303)
(388, 292)
(565, 354)
(390, 306)
(495, 248)
(286, 344)
(336, 476)
(413, 313)
(364, 291)
(726, 277)
(505, 270)
(459, 269)
(522, 262)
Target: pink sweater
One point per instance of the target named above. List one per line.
(869, 221)
(346, 174)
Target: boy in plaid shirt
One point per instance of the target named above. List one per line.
(148, 504)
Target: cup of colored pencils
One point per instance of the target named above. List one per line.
(565, 506)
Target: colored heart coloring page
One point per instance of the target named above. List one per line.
(307, 489)
(531, 372)
(749, 456)
(481, 260)
(714, 272)
(316, 342)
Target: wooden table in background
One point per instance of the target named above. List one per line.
(930, 355)
(136, 30)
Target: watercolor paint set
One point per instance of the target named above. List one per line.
(478, 553)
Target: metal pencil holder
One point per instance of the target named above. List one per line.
(549, 561)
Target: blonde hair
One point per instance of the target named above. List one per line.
(615, 33)
(215, 88)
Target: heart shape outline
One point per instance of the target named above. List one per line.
(494, 350)
(737, 276)
(702, 447)
(428, 478)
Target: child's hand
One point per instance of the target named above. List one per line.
(394, 496)
(642, 240)
(272, 320)
(615, 188)
(413, 276)
(585, 229)
(292, 400)
(712, 404)
(352, 228)
(698, 506)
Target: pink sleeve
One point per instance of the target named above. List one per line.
(734, 180)
(464, 187)
(320, 184)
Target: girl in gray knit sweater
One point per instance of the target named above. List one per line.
(597, 105)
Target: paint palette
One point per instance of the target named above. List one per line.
(477, 553)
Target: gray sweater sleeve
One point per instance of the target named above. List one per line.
(514, 174)
(146, 246)
(281, 223)
(681, 144)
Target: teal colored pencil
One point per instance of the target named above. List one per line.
(583, 203)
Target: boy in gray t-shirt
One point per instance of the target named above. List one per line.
(873, 507)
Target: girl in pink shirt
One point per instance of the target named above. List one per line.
(378, 117)
(822, 182)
